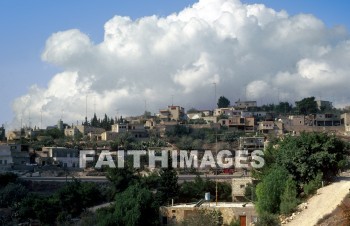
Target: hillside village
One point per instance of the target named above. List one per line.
(244, 118)
(55, 151)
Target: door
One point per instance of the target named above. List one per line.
(243, 220)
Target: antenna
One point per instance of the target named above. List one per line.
(62, 114)
(41, 118)
(94, 104)
(86, 100)
(172, 100)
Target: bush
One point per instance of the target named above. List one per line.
(311, 187)
(12, 194)
(6, 178)
(267, 219)
(289, 199)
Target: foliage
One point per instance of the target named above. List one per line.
(311, 187)
(76, 196)
(309, 154)
(307, 106)
(269, 191)
(168, 185)
(283, 107)
(223, 102)
(121, 178)
(135, 206)
(235, 222)
(55, 133)
(289, 199)
(250, 192)
(267, 219)
(178, 131)
(6, 178)
(105, 123)
(204, 217)
(192, 110)
(123, 141)
(11, 194)
(197, 121)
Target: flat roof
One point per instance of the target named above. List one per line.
(213, 205)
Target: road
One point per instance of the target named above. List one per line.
(182, 178)
(327, 199)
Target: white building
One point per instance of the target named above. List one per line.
(5, 155)
(66, 157)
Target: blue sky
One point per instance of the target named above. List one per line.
(26, 25)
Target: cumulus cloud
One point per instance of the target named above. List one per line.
(249, 51)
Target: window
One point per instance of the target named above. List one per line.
(0, 162)
(5, 161)
(242, 186)
(173, 211)
(13, 147)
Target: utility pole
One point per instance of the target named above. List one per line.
(216, 168)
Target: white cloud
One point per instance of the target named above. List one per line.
(243, 48)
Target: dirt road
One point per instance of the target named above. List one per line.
(326, 200)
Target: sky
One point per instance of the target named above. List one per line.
(125, 57)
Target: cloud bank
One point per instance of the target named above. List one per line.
(249, 51)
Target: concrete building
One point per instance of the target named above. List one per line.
(174, 215)
(245, 104)
(65, 157)
(251, 143)
(5, 154)
(207, 112)
(2, 133)
(266, 127)
(15, 135)
(137, 130)
(109, 135)
(172, 113)
(230, 111)
(89, 129)
(329, 119)
(15, 154)
(345, 120)
(210, 119)
(71, 132)
(324, 105)
(246, 124)
(296, 120)
(239, 186)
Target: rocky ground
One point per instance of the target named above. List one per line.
(321, 206)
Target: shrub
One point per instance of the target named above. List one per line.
(311, 187)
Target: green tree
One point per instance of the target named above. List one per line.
(12, 194)
(135, 206)
(309, 154)
(168, 185)
(307, 106)
(223, 102)
(283, 107)
(269, 191)
(76, 196)
(289, 199)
